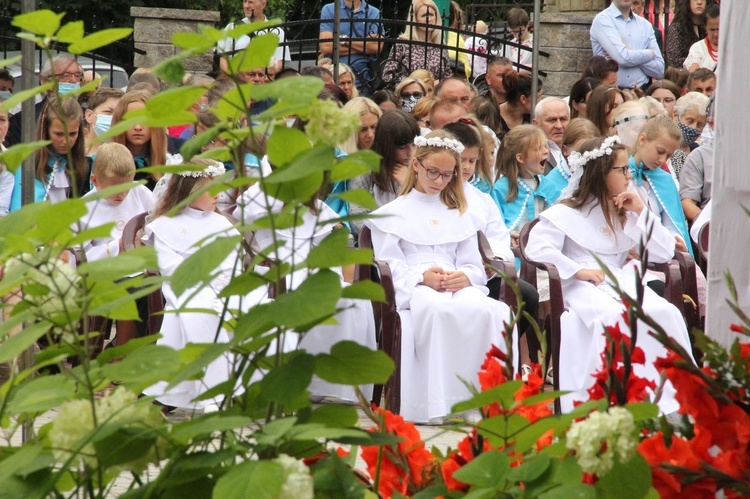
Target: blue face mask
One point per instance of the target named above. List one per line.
(5, 95)
(64, 88)
(103, 122)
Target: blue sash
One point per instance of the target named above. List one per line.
(521, 209)
(555, 182)
(667, 194)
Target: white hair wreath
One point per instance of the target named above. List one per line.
(577, 160)
(213, 170)
(451, 144)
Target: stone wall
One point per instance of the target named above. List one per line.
(565, 36)
(556, 6)
(154, 28)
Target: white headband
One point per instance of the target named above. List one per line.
(451, 144)
(577, 160)
(213, 170)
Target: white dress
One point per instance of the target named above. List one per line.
(444, 335)
(568, 238)
(174, 240)
(355, 317)
(101, 212)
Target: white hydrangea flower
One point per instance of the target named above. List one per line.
(599, 438)
(299, 481)
(75, 424)
(329, 124)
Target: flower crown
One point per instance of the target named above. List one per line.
(451, 144)
(578, 160)
(213, 170)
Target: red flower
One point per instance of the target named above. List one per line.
(737, 328)
(655, 452)
(468, 448)
(406, 465)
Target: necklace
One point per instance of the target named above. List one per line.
(51, 180)
(714, 53)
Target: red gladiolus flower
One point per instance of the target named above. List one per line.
(468, 448)
(737, 328)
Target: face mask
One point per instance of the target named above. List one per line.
(408, 104)
(103, 122)
(5, 95)
(64, 88)
(689, 135)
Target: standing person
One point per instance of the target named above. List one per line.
(98, 116)
(604, 219)
(552, 115)
(175, 239)
(519, 55)
(147, 145)
(705, 53)
(359, 19)
(424, 25)
(62, 69)
(430, 242)
(55, 180)
(687, 27)
(477, 49)
(7, 180)
(254, 12)
(618, 34)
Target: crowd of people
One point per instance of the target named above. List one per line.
(627, 153)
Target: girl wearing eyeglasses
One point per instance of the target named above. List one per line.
(604, 219)
(429, 240)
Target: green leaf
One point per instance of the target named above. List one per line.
(144, 367)
(42, 394)
(288, 382)
(285, 144)
(174, 100)
(194, 42)
(256, 479)
(335, 416)
(350, 363)
(41, 22)
(364, 290)
(318, 159)
(171, 69)
(186, 431)
(294, 95)
(198, 267)
(71, 32)
(16, 154)
(500, 429)
(99, 39)
(124, 445)
(488, 469)
(531, 469)
(643, 410)
(256, 55)
(125, 263)
(629, 480)
(314, 300)
(503, 394)
(334, 251)
(527, 438)
(359, 163)
(13, 346)
(570, 491)
(118, 352)
(8, 62)
(360, 197)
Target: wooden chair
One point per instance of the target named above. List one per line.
(551, 322)
(509, 268)
(131, 239)
(387, 323)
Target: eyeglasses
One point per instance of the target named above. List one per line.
(67, 76)
(416, 95)
(622, 169)
(433, 174)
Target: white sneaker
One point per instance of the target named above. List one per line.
(211, 408)
(525, 371)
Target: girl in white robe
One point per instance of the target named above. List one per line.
(355, 317)
(429, 240)
(175, 239)
(605, 219)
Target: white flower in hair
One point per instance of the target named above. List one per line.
(213, 170)
(446, 143)
(576, 160)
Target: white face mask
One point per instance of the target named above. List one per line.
(103, 122)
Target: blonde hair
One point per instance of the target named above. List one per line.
(157, 147)
(344, 69)
(654, 107)
(423, 108)
(113, 160)
(452, 195)
(520, 140)
(181, 187)
(426, 77)
(360, 106)
(659, 126)
(434, 34)
(65, 111)
(628, 120)
(408, 81)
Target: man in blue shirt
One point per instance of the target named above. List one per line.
(617, 33)
(356, 54)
